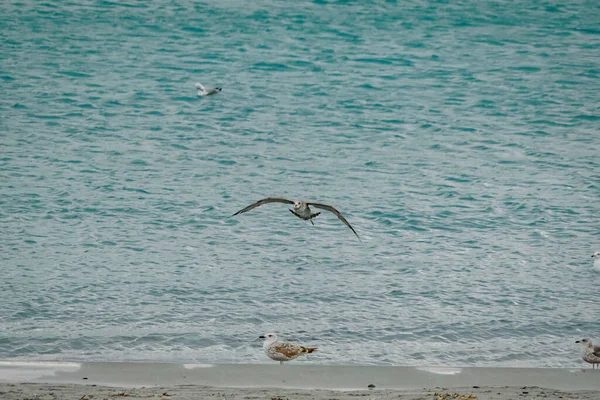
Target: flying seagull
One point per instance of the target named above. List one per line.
(591, 353)
(281, 351)
(203, 92)
(301, 209)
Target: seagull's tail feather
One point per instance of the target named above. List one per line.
(309, 350)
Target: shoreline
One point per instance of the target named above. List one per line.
(28, 379)
(292, 376)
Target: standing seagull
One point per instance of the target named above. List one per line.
(281, 351)
(301, 209)
(203, 92)
(591, 353)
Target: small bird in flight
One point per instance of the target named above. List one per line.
(281, 351)
(203, 92)
(301, 209)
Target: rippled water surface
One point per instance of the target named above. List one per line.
(460, 139)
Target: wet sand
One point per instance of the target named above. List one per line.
(31, 380)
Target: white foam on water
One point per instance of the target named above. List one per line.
(22, 371)
(441, 371)
(193, 366)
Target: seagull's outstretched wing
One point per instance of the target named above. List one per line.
(200, 87)
(336, 212)
(265, 201)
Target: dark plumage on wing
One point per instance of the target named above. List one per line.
(301, 209)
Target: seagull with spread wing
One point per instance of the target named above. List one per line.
(301, 209)
(202, 91)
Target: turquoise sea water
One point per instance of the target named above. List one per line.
(460, 139)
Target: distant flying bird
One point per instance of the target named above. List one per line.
(301, 209)
(591, 353)
(281, 351)
(203, 92)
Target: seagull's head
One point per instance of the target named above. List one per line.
(269, 337)
(297, 205)
(585, 342)
(596, 255)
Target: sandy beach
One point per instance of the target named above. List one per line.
(45, 380)
(189, 392)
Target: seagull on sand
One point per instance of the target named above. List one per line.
(301, 209)
(591, 353)
(281, 351)
(596, 257)
(203, 92)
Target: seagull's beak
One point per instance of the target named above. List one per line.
(579, 341)
(261, 337)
